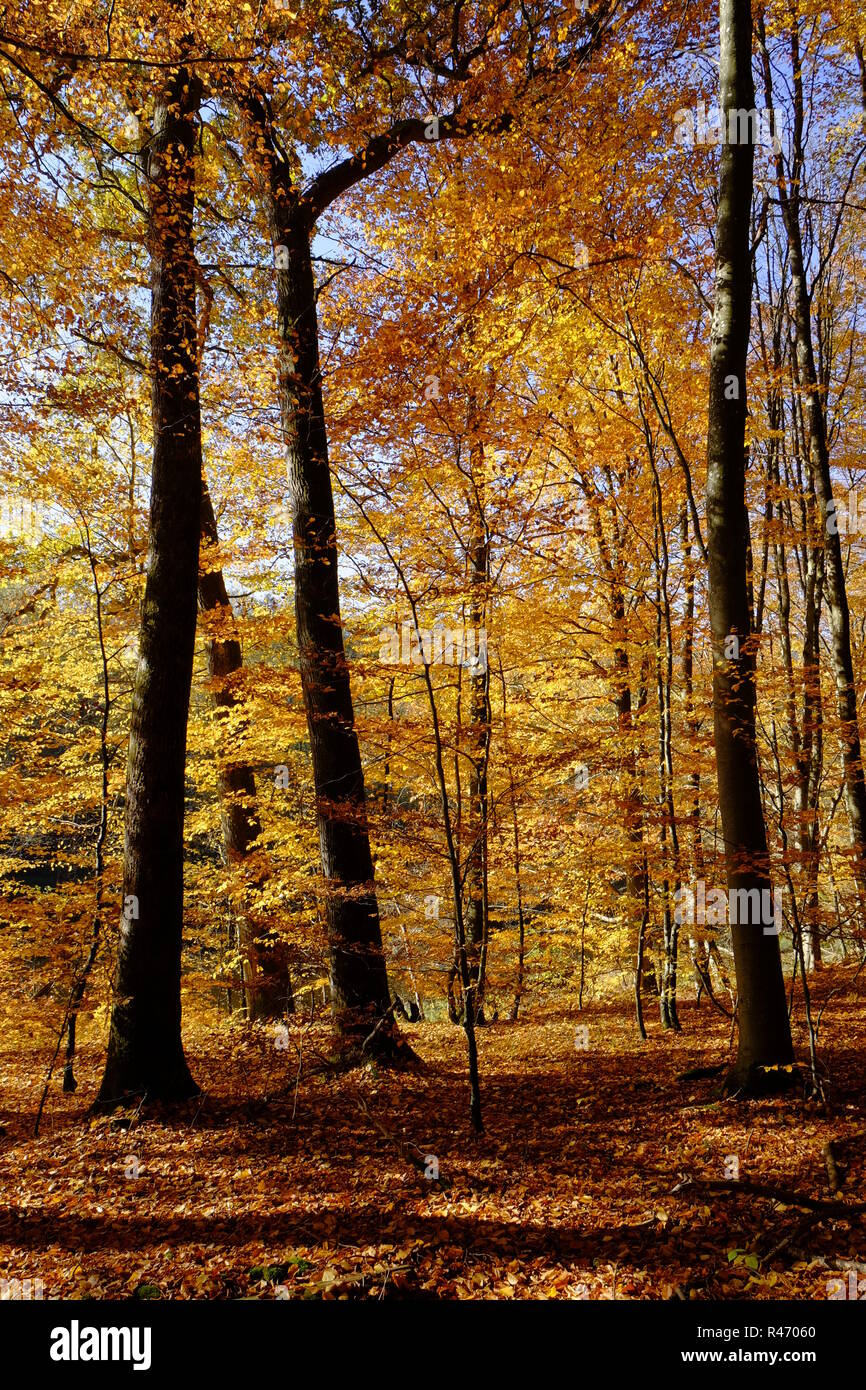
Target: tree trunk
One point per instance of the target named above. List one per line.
(639, 973)
(519, 985)
(636, 869)
(804, 738)
(80, 985)
(478, 733)
(145, 1052)
(361, 1005)
(764, 1031)
(841, 661)
(703, 947)
(265, 983)
(669, 826)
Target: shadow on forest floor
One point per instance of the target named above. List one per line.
(312, 1184)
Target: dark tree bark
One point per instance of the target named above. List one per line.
(478, 732)
(145, 1052)
(764, 1031)
(359, 980)
(77, 996)
(519, 983)
(240, 819)
(266, 990)
(361, 1003)
(358, 976)
(669, 832)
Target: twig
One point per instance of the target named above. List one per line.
(388, 1014)
(195, 1116)
(813, 1219)
(298, 1045)
(402, 1148)
(843, 1211)
(61, 1035)
(834, 1176)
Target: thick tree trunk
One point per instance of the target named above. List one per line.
(764, 1031)
(265, 971)
(145, 1053)
(360, 999)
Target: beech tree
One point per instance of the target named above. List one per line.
(145, 1052)
(456, 51)
(560, 802)
(764, 1041)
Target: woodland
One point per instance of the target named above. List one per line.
(432, 650)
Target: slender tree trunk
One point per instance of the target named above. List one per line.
(145, 1052)
(764, 1031)
(638, 973)
(419, 1006)
(841, 659)
(361, 1006)
(387, 790)
(462, 956)
(265, 979)
(78, 989)
(861, 67)
(520, 977)
(637, 876)
(704, 949)
(478, 734)
(813, 724)
(697, 944)
(803, 742)
(636, 869)
(519, 986)
(669, 827)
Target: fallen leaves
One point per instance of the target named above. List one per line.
(551, 1203)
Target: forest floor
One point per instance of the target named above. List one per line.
(288, 1182)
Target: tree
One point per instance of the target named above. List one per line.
(266, 987)
(362, 1012)
(359, 981)
(145, 1052)
(792, 194)
(764, 1030)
